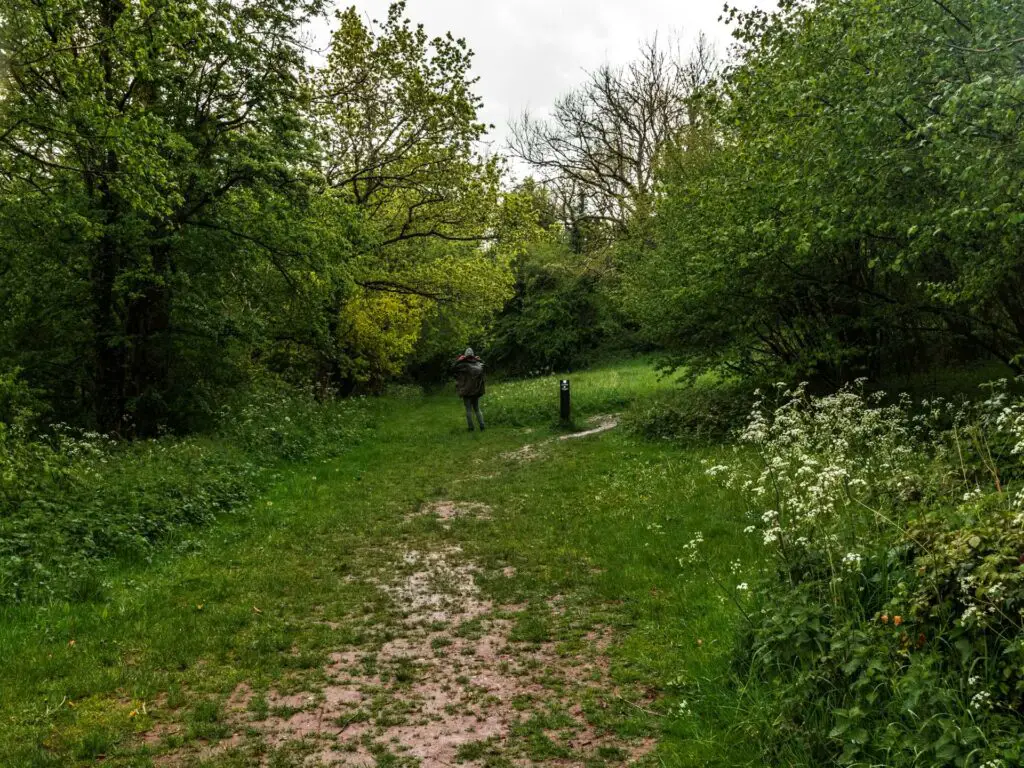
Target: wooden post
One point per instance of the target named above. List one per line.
(566, 404)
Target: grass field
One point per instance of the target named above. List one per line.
(564, 555)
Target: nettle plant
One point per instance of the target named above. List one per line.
(889, 621)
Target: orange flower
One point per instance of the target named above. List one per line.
(885, 618)
(897, 620)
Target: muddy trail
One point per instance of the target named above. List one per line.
(435, 673)
(424, 597)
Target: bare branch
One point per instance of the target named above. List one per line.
(602, 141)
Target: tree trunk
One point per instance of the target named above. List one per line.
(109, 375)
(148, 321)
(109, 395)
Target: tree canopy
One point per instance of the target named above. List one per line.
(182, 200)
(186, 204)
(852, 202)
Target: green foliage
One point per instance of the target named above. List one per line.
(150, 157)
(396, 119)
(76, 498)
(563, 312)
(275, 421)
(846, 205)
(557, 320)
(180, 197)
(888, 626)
(705, 411)
(72, 499)
(20, 406)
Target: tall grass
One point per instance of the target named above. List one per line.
(70, 499)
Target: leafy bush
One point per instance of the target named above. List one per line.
(19, 404)
(695, 414)
(557, 320)
(274, 420)
(859, 238)
(70, 499)
(889, 627)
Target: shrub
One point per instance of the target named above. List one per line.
(274, 420)
(559, 318)
(70, 499)
(20, 405)
(73, 499)
(888, 628)
(694, 414)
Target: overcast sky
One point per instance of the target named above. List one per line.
(529, 52)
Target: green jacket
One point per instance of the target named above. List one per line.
(469, 376)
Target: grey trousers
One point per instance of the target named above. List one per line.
(473, 406)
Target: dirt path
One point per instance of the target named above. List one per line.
(446, 677)
(531, 451)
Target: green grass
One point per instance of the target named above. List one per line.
(597, 524)
(526, 402)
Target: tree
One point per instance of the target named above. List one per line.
(396, 118)
(558, 317)
(134, 137)
(849, 206)
(600, 147)
(597, 157)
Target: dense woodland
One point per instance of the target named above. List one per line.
(218, 246)
(188, 204)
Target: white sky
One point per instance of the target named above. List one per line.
(529, 52)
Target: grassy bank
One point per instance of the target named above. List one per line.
(71, 500)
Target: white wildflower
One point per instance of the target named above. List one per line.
(971, 613)
(981, 700)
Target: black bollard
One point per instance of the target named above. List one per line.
(566, 404)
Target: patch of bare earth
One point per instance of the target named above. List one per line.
(449, 679)
(528, 452)
(601, 424)
(533, 451)
(446, 511)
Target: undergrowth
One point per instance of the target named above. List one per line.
(703, 412)
(70, 498)
(888, 626)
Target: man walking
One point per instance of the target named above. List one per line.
(469, 385)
